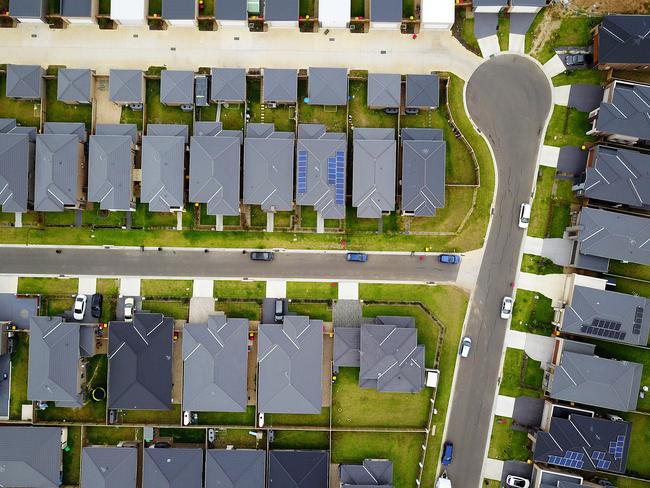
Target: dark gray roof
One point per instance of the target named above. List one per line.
(87, 338)
(179, 9)
(169, 130)
(590, 438)
(347, 347)
(110, 166)
(624, 39)
(281, 10)
(619, 176)
(598, 382)
(290, 358)
(555, 479)
(172, 468)
(607, 315)
(215, 173)
(613, 235)
(215, 360)
(126, 86)
(298, 469)
(163, 172)
(325, 160)
(231, 10)
(30, 457)
(76, 128)
(130, 130)
(28, 8)
(24, 81)
(628, 114)
(176, 87)
(74, 85)
(384, 90)
(140, 362)
(490, 3)
(109, 467)
(268, 168)
(280, 85)
(212, 129)
(15, 156)
(235, 468)
(30, 132)
(423, 173)
(372, 472)
(228, 84)
(529, 3)
(373, 182)
(76, 8)
(57, 171)
(53, 361)
(18, 310)
(328, 86)
(386, 10)
(422, 91)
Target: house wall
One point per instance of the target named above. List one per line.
(487, 10)
(385, 25)
(283, 24)
(81, 20)
(524, 9)
(182, 23)
(29, 20)
(436, 25)
(232, 23)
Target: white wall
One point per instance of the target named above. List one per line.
(80, 20)
(385, 25)
(487, 10)
(524, 10)
(283, 24)
(232, 23)
(334, 14)
(182, 23)
(130, 12)
(437, 14)
(29, 20)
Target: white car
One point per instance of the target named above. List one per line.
(517, 481)
(129, 304)
(524, 216)
(79, 307)
(506, 307)
(465, 347)
(186, 417)
(260, 419)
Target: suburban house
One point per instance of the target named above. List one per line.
(577, 375)
(437, 14)
(422, 91)
(526, 6)
(290, 366)
(172, 467)
(384, 90)
(110, 172)
(385, 14)
(180, 13)
(109, 467)
(576, 439)
(320, 178)
(489, 6)
(31, 456)
(423, 171)
(328, 86)
(215, 361)
(301, 469)
(25, 82)
(140, 363)
(281, 13)
(616, 175)
(16, 172)
(75, 86)
(130, 130)
(81, 12)
(126, 86)
(176, 87)
(228, 85)
(235, 468)
(67, 128)
(129, 12)
(280, 86)
(334, 14)
(28, 11)
(231, 13)
(622, 42)
(372, 472)
(624, 113)
(550, 478)
(373, 178)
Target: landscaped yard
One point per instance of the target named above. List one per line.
(503, 30)
(110, 436)
(334, 118)
(307, 290)
(72, 457)
(531, 263)
(300, 439)
(26, 112)
(240, 438)
(551, 210)
(153, 417)
(56, 111)
(19, 365)
(532, 313)
(362, 116)
(169, 308)
(571, 31)
(521, 375)
(567, 127)
(637, 459)
(508, 444)
(587, 76)
(184, 436)
(283, 116)
(157, 113)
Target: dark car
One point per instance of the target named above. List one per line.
(575, 60)
(262, 256)
(162, 445)
(96, 305)
(449, 259)
(447, 453)
(358, 257)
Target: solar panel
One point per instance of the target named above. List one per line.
(340, 178)
(597, 455)
(302, 172)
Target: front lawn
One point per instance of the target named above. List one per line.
(177, 309)
(166, 288)
(532, 313)
(503, 30)
(567, 127)
(317, 311)
(521, 376)
(48, 286)
(586, 76)
(300, 439)
(531, 263)
(551, 210)
(508, 444)
(572, 31)
(245, 310)
(307, 290)
(110, 436)
(240, 289)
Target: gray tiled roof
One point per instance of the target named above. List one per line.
(30, 457)
(228, 84)
(179, 9)
(628, 114)
(280, 85)
(130, 130)
(24, 81)
(74, 85)
(139, 362)
(176, 87)
(423, 173)
(110, 166)
(215, 173)
(384, 90)
(30, 132)
(386, 10)
(235, 468)
(169, 130)
(231, 10)
(372, 472)
(623, 39)
(328, 86)
(15, 157)
(76, 128)
(76, 8)
(163, 172)
(109, 467)
(298, 469)
(172, 468)
(215, 361)
(126, 86)
(422, 91)
(490, 3)
(57, 171)
(373, 182)
(347, 347)
(281, 10)
(6, 125)
(28, 8)
(290, 358)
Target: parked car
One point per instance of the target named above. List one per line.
(411, 111)
(575, 60)
(447, 453)
(506, 307)
(357, 257)
(279, 310)
(524, 215)
(129, 305)
(186, 417)
(391, 111)
(261, 256)
(161, 445)
(260, 419)
(96, 305)
(465, 347)
(517, 481)
(79, 309)
(211, 436)
(449, 259)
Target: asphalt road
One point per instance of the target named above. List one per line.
(509, 99)
(223, 264)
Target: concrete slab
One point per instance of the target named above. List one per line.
(515, 339)
(276, 289)
(470, 265)
(554, 66)
(493, 469)
(179, 220)
(517, 43)
(505, 406)
(572, 160)
(18, 220)
(528, 411)
(130, 287)
(200, 309)
(561, 95)
(551, 285)
(585, 97)
(348, 290)
(9, 284)
(549, 155)
(539, 348)
(485, 25)
(87, 285)
(203, 288)
(489, 46)
(520, 23)
(557, 250)
(533, 245)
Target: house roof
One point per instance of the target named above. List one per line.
(298, 469)
(290, 359)
(624, 39)
(235, 468)
(139, 360)
(24, 81)
(172, 468)
(585, 443)
(619, 176)
(15, 156)
(27, 8)
(228, 84)
(74, 85)
(384, 90)
(30, 456)
(215, 361)
(212, 129)
(215, 173)
(110, 166)
(176, 87)
(53, 361)
(109, 467)
(423, 172)
(628, 114)
(17, 309)
(129, 10)
(328, 86)
(179, 9)
(320, 178)
(334, 13)
(231, 10)
(373, 182)
(281, 10)
(613, 235)
(163, 172)
(422, 91)
(73, 128)
(180, 130)
(7, 125)
(280, 85)
(607, 315)
(126, 86)
(347, 347)
(386, 10)
(76, 8)
(57, 158)
(268, 167)
(130, 130)
(372, 472)
(598, 382)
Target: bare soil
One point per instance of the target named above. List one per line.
(550, 23)
(612, 6)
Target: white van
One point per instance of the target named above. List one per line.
(524, 215)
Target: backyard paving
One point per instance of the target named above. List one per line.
(528, 411)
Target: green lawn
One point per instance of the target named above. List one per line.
(320, 420)
(240, 438)
(317, 311)
(587, 76)
(300, 439)
(226, 418)
(362, 116)
(19, 364)
(631, 270)
(408, 9)
(550, 213)
(72, 457)
(573, 31)
(637, 460)
(491, 483)
(157, 113)
(166, 288)
(169, 308)
(306, 8)
(539, 265)
(153, 417)
(532, 313)
(56, 111)
(99, 218)
(129, 116)
(357, 8)
(507, 444)
(503, 30)
(622, 482)
(334, 118)
(240, 289)
(467, 32)
(65, 218)
(521, 375)
(110, 436)
(26, 112)
(232, 116)
(48, 286)
(307, 290)
(283, 116)
(245, 310)
(184, 436)
(107, 286)
(633, 287)
(567, 127)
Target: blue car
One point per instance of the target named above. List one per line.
(447, 453)
(449, 259)
(358, 257)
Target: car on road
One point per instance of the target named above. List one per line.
(465, 347)
(449, 259)
(96, 305)
(517, 481)
(447, 453)
(506, 307)
(129, 305)
(79, 309)
(524, 216)
(262, 256)
(575, 60)
(357, 257)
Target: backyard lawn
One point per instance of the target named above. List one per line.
(567, 127)
(637, 460)
(240, 438)
(362, 116)
(153, 417)
(531, 263)
(110, 436)
(19, 365)
(26, 112)
(508, 444)
(184, 436)
(320, 420)
(283, 116)
(532, 313)
(228, 418)
(300, 439)
(72, 457)
(334, 118)
(157, 113)
(521, 375)
(56, 111)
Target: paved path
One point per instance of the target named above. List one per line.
(551, 285)
(203, 288)
(276, 289)
(348, 290)
(554, 66)
(87, 285)
(493, 469)
(505, 406)
(537, 347)
(556, 249)
(8, 284)
(549, 156)
(130, 287)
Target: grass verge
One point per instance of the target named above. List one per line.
(532, 313)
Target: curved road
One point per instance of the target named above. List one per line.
(509, 98)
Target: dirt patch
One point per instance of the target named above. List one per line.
(106, 112)
(603, 7)
(549, 24)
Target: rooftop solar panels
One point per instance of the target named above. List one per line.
(302, 172)
(571, 459)
(638, 319)
(340, 177)
(616, 448)
(331, 171)
(604, 328)
(604, 464)
(598, 455)
(598, 458)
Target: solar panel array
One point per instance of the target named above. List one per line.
(616, 448)
(598, 458)
(604, 328)
(302, 172)
(571, 459)
(638, 318)
(331, 171)
(340, 178)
